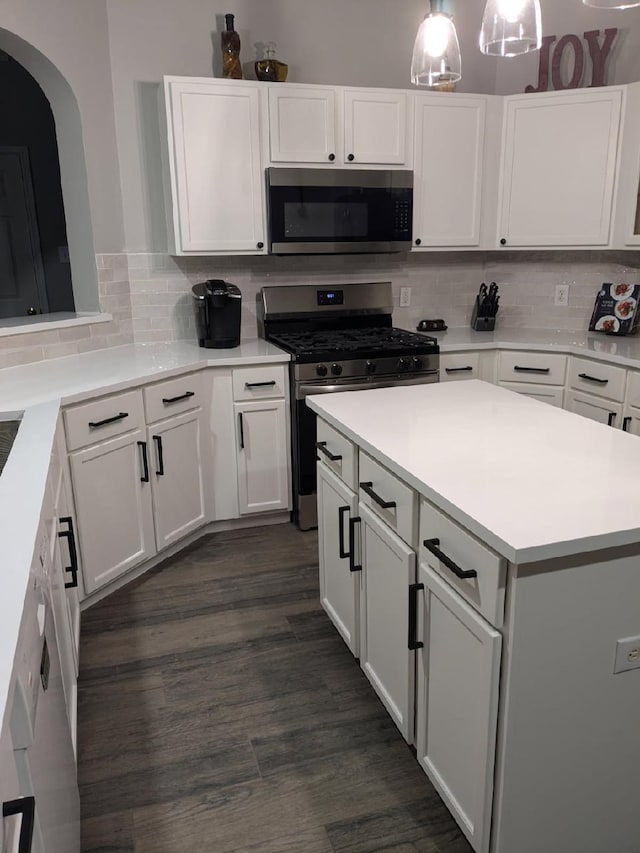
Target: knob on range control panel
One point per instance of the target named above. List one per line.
(416, 363)
(370, 367)
(403, 364)
(321, 369)
(336, 369)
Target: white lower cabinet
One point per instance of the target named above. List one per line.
(631, 420)
(457, 704)
(388, 570)
(339, 586)
(263, 458)
(603, 411)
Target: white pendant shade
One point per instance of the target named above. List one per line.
(611, 4)
(511, 27)
(436, 52)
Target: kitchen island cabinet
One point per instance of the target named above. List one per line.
(528, 580)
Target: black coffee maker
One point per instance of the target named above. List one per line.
(218, 311)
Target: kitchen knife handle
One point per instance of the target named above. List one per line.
(463, 574)
(593, 378)
(414, 589)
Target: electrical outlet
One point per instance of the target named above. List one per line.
(405, 297)
(627, 654)
(562, 294)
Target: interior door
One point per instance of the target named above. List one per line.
(22, 286)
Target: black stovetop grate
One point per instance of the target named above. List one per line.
(350, 343)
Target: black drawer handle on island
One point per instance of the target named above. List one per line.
(322, 447)
(185, 396)
(160, 468)
(342, 511)
(432, 545)
(593, 378)
(458, 369)
(26, 806)
(269, 384)
(69, 535)
(414, 589)
(532, 369)
(145, 462)
(352, 544)
(113, 420)
(625, 423)
(366, 488)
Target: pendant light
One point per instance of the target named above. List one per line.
(511, 27)
(436, 52)
(611, 4)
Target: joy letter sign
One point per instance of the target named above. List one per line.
(598, 51)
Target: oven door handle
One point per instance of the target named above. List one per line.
(306, 389)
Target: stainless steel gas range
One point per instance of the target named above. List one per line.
(341, 338)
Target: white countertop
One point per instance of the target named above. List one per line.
(532, 481)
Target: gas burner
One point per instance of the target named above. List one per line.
(348, 343)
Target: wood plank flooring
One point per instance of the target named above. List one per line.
(219, 712)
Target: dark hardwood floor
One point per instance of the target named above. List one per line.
(220, 711)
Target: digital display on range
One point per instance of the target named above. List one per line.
(330, 297)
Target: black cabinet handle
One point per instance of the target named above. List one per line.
(145, 462)
(241, 425)
(260, 384)
(69, 535)
(351, 158)
(185, 396)
(260, 245)
(418, 242)
(414, 589)
(625, 423)
(366, 488)
(352, 544)
(532, 369)
(503, 242)
(593, 378)
(322, 447)
(458, 369)
(342, 511)
(432, 545)
(26, 806)
(120, 417)
(332, 157)
(160, 455)
(611, 418)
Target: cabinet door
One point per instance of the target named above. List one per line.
(388, 568)
(214, 141)
(603, 411)
(449, 146)
(559, 161)
(457, 705)
(176, 474)
(263, 456)
(113, 508)
(339, 586)
(631, 420)
(545, 393)
(375, 127)
(302, 126)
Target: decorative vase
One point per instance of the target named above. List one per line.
(230, 41)
(271, 69)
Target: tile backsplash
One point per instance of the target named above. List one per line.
(149, 295)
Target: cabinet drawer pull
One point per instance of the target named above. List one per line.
(366, 488)
(69, 535)
(241, 425)
(145, 462)
(611, 418)
(458, 369)
(26, 806)
(593, 378)
(353, 567)
(432, 545)
(269, 384)
(532, 369)
(625, 423)
(168, 400)
(341, 549)
(120, 417)
(414, 589)
(322, 447)
(160, 455)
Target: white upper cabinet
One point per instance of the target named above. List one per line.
(213, 174)
(449, 146)
(559, 158)
(626, 233)
(359, 127)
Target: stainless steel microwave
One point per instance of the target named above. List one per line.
(335, 211)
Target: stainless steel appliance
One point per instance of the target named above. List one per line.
(218, 313)
(320, 211)
(340, 338)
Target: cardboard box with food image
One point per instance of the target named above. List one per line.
(616, 309)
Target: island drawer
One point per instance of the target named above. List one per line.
(537, 367)
(331, 443)
(596, 377)
(389, 497)
(259, 381)
(459, 365)
(552, 394)
(484, 590)
(90, 423)
(173, 397)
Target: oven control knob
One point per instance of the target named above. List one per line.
(370, 367)
(416, 363)
(403, 364)
(321, 369)
(336, 369)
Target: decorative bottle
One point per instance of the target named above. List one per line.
(230, 41)
(270, 68)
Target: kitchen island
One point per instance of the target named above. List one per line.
(490, 571)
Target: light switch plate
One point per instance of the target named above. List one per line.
(627, 654)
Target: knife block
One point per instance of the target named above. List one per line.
(481, 324)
